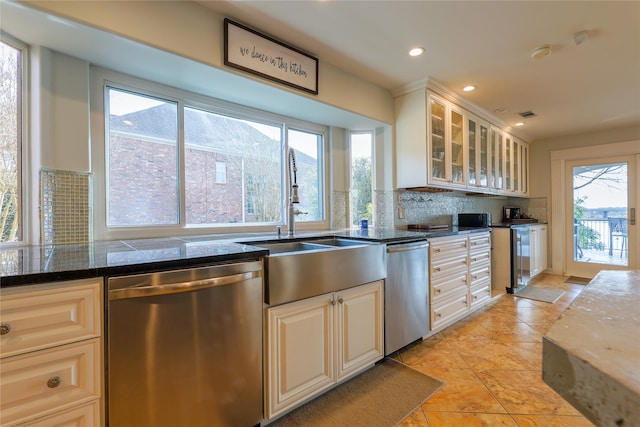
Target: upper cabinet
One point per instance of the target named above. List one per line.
(440, 144)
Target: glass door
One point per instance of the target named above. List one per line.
(600, 215)
(484, 156)
(471, 149)
(438, 146)
(457, 147)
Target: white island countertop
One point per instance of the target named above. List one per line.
(591, 355)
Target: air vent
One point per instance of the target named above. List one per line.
(527, 114)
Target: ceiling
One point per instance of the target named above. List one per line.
(577, 88)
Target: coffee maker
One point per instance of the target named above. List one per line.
(509, 213)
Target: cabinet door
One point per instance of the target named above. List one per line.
(483, 156)
(360, 326)
(524, 166)
(299, 352)
(438, 154)
(538, 249)
(473, 178)
(517, 169)
(508, 163)
(457, 144)
(497, 157)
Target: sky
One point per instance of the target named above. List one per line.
(604, 193)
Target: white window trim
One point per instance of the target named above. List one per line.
(101, 78)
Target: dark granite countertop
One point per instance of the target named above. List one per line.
(39, 264)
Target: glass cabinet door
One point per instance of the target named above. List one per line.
(471, 149)
(496, 158)
(524, 165)
(483, 173)
(507, 162)
(516, 166)
(438, 152)
(457, 147)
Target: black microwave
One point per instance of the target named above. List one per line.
(474, 220)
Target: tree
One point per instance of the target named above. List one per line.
(361, 190)
(9, 80)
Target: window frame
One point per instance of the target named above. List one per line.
(101, 79)
(24, 227)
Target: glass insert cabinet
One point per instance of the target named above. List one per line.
(443, 145)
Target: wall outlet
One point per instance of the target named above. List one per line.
(400, 213)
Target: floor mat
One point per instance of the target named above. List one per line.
(540, 294)
(578, 280)
(382, 396)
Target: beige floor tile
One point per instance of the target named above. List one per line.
(433, 353)
(417, 419)
(551, 421)
(487, 355)
(524, 392)
(463, 392)
(456, 419)
(540, 327)
(467, 331)
(512, 331)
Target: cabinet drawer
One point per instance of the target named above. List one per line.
(448, 267)
(445, 288)
(481, 293)
(479, 273)
(479, 240)
(39, 317)
(41, 382)
(447, 247)
(479, 257)
(81, 416)
(449, 309)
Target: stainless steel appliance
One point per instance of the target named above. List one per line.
(509, 213)
(406, 295)
(474, 220)
(511, 257)
(185, 347)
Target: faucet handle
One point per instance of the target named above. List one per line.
(299, 212)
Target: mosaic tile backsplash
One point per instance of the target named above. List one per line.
(443, 208)
(65, 206)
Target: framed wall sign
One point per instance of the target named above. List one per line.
(248, 50)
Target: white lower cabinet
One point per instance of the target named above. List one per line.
(50, 351)
(538, 249)
(312, 344)
(459, 276)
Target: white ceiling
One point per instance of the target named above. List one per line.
(593, 86)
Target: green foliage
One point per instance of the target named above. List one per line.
(588, 238)
(361, 193)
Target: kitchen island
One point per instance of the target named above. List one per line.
(591, 355)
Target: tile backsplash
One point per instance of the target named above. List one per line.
(65, 206)
(443, 208)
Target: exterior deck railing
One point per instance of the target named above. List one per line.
(595, 238)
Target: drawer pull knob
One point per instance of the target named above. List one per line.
(340, 300)
(438, 315)
(54, 382)
(437, 250)
(438, 291)
(5, 328)
(437, 269)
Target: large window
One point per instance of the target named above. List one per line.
(11, 111)
(182, 160)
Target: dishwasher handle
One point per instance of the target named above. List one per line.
(174, 288)
(409, 247)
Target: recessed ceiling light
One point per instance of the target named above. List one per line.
(468, 88)
(500, 110)
(520, 124)
(541, 51)
(416, 51)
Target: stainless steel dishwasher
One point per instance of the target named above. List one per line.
(184, 347)
(406, 295)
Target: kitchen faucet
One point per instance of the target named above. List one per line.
(293, 193)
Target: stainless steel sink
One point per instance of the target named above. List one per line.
(286, 247)
(305, 268)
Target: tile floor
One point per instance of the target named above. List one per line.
(491, 362)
